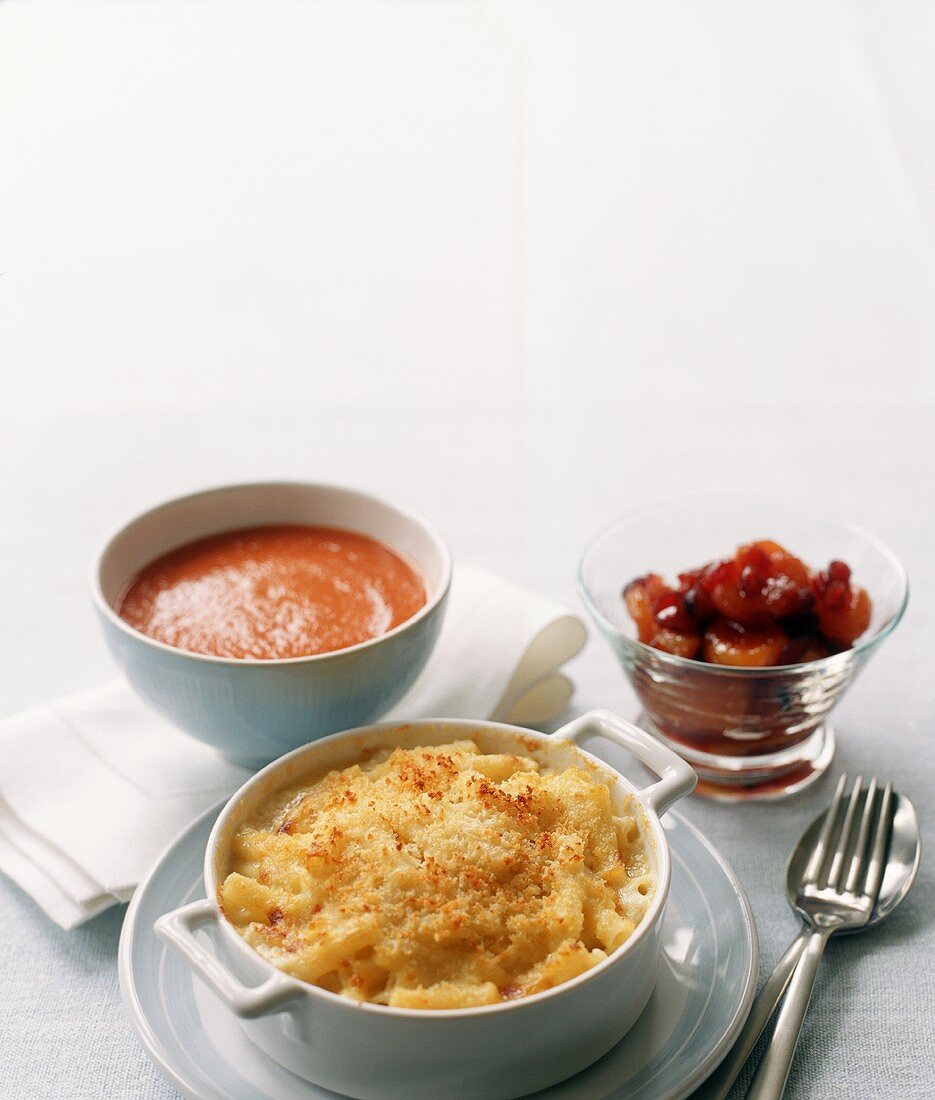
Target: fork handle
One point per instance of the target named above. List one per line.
(769, 1081)
(719, 1084)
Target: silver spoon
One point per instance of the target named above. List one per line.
(902, 863)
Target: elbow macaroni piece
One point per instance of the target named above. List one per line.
(439, 877)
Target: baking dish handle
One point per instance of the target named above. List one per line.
(178, 928)
(676, 778)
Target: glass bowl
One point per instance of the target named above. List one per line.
(748, 732)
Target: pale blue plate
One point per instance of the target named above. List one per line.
(706, 984)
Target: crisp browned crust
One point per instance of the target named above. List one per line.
(438, 877)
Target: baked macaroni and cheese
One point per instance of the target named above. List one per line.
(439, 877)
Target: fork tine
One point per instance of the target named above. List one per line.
(858, 865)
(817, 858)
(844, 840)
(881, 838)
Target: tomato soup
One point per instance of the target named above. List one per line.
(262, 593)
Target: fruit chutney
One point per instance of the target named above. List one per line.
(762, 607)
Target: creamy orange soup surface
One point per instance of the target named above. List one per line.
(261, 593)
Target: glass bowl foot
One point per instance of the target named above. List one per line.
(756, 778)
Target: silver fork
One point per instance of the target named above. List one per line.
(837, 893)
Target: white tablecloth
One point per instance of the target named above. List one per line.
(522, 266)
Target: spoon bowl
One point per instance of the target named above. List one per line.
(902, 861)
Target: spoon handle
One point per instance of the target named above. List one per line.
(769, 1081)
(719, 1084)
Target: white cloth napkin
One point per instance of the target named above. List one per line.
(94, 786)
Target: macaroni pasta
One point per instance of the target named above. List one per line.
(439, 877)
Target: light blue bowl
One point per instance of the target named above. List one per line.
(254, 711)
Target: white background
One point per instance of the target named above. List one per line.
(522, 266)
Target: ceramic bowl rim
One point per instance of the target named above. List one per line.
(821, 665)
(114, 620)
(650, 920)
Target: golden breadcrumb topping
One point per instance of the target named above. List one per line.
(439, 877)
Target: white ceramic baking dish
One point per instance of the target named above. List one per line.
(488, 1053)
